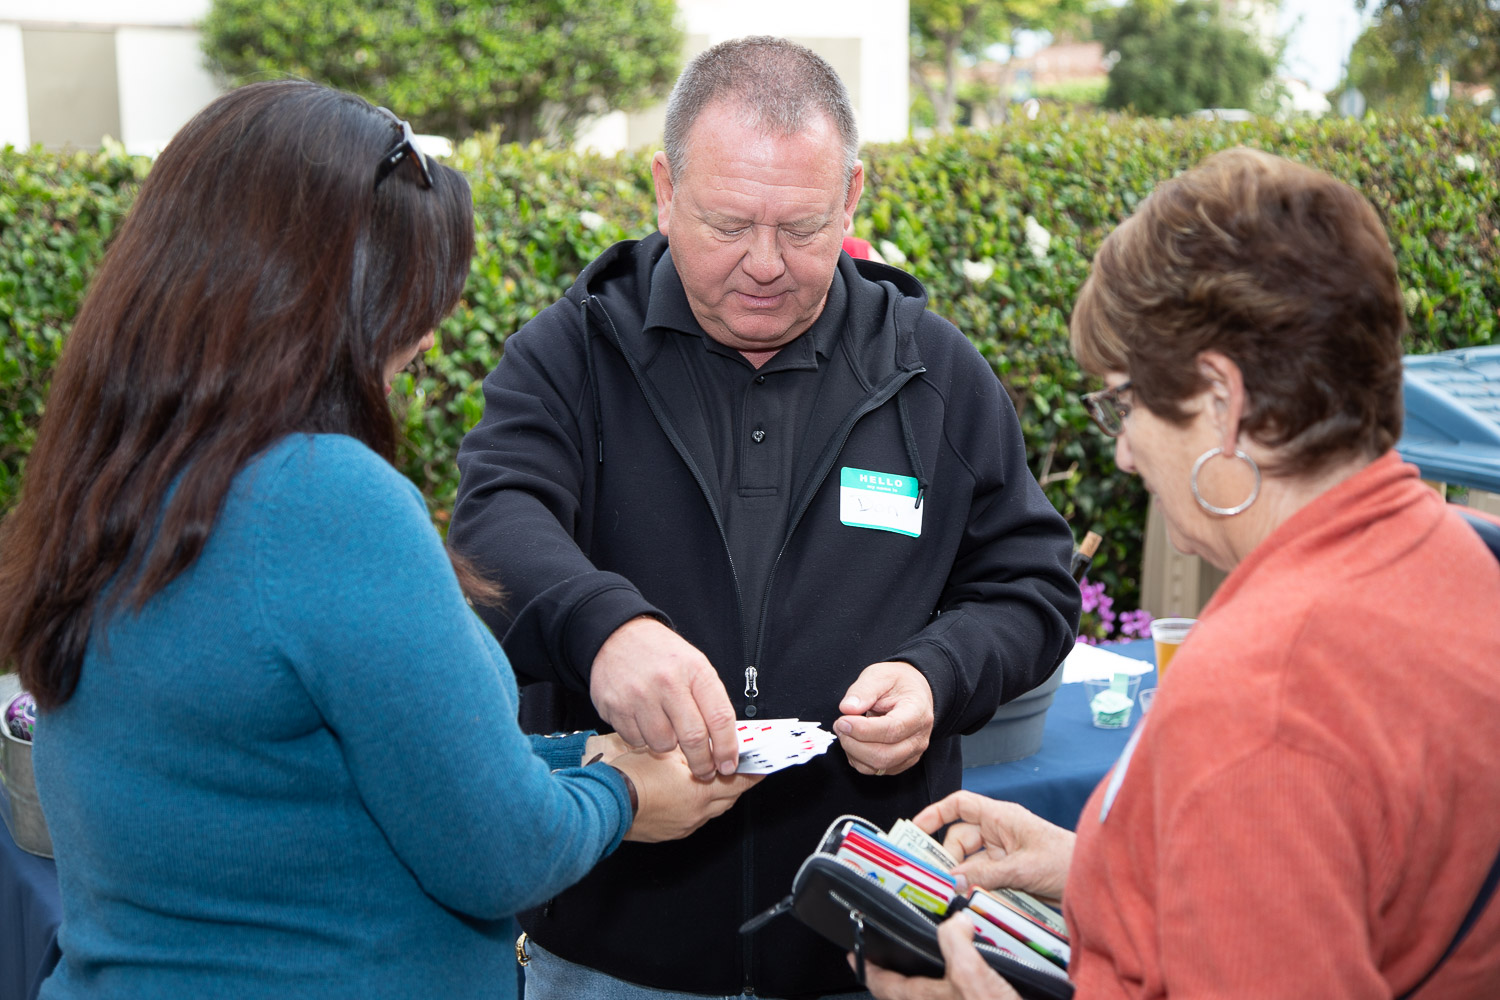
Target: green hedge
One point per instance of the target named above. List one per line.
(956, 209)
(56, 214)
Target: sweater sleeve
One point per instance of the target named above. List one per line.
(362, 603)
(1009, 610)
(520, 500)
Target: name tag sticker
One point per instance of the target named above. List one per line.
(881, 500)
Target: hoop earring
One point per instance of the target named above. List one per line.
(1224, 511)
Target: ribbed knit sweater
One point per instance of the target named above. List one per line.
(1314, 799)
(297, 771)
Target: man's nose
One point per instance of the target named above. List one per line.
(762, 260)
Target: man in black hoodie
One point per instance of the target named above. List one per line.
(732, 473)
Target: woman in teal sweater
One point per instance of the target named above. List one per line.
(278, 753)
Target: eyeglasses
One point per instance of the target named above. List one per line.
(407, 146)
(1108, 409)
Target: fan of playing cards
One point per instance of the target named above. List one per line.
(768, 745)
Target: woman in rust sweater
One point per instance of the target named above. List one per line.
(1315, 800)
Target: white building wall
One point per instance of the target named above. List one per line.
(15, 124)
(105, 12)
(878, 81)
(163, 83)
(880, 26)
(160, 76)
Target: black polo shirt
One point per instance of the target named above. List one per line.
(742, 423)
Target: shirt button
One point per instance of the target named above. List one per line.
(760, 380)
(758, 436)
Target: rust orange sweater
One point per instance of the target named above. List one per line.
(1315, 797)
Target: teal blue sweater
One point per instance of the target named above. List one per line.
(297, 771)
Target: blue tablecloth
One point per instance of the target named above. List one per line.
(1057, 780)
(30, 912)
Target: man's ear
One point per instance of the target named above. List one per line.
(1225, 396)
(851, 199)
(661, 174)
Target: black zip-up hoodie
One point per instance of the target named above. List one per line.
(590, 507)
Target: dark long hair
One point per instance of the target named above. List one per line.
(259, 286)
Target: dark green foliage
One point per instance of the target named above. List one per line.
(1177, 57)
(456, 67)
(56, 213)
(542, 215)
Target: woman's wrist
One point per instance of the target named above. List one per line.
(630, 792)
(635, 799)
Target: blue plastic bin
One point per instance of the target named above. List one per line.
(1452, 430)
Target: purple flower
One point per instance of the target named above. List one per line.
(1135, 624)
(1092, 593)
(1099, 623)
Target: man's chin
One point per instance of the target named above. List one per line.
(759, 333)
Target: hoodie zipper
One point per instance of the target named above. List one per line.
(698, 477)
(830, 454)
(751, 689)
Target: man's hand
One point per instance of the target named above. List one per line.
(887, 720)
(968, 976)
(1001, 845)
(657, 690)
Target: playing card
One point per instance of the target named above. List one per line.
(769, 745)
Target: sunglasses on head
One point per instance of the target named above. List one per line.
(407, 147)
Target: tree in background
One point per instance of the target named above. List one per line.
(1398, 55)
(1174, 58)
(1385, 79)
(538, 68)
(946, 34)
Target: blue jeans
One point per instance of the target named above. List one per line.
(551, 978)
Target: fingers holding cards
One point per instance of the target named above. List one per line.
(769, 745)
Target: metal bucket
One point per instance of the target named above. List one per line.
(19, 805)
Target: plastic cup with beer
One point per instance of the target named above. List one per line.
(1167, 634)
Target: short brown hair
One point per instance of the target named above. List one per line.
(777, 85)
(1285, 270)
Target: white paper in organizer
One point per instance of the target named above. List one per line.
(1087, 663)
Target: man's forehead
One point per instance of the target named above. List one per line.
(728, 130)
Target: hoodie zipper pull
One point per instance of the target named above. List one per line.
(758, 921)
(752, 691)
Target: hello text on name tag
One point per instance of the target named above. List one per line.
(881, 500)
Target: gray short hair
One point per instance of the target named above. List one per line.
(775, 82)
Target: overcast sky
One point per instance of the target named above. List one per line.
(1319, 36)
